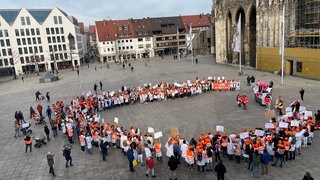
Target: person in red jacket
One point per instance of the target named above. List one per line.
(150, 164)
(40, 108)
(244, 100)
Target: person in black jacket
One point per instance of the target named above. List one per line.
(67, 155)
(307, 176)
(221, 170)
(47, 131)
(104, 149)
(173, 165)
(130, 158)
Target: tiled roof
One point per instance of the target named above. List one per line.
(141, 27)
(110, 30)
(92, 29)
(201, 20)
(81, 26)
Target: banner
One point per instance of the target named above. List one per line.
(236, 44)
(244, 135)
(221, 86)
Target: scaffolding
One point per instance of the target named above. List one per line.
(306, 31)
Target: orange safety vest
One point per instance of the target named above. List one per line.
(189, 154)
(286, 145)
(157, 148)
(28, 141)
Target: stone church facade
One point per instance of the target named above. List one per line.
(260, 33)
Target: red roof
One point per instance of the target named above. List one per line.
(110, 30)
(92, 29)
(81, 25)
(142, 27)
(201, 20)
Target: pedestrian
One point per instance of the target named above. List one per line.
(95, 87)
(132, 68)
(39, 108)
(22, 79)
(301, 93)
(256, 164)
(307, 176)
(104, 149)
(239, 97)
(48, 96)
(123, 66)
(130, 158)
(47, 131)
(248, 81)
(176, 151)
(16, 116)
(21, 117)
(252, 79)
(267, 102)
(196, 60)
(221, 170)
(279, 154)
(95, 68)
(38, 96)
(70, 134)
(54, 127)
(16, 129)
(82, 142)
(50, 163)
(173, 166)
(100, 86)
(244, 100)
(89, 143)
(32, 111)
(78, 72)
(28, 143)
(49, 112)
(67, 155)
(265, 159)
(150, 165)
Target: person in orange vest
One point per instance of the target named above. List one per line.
(287, 147)
(190, 157)
(244, 100)
(157, 149)
(70, 135)
(28, 143)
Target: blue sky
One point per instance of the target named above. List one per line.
(89, 11)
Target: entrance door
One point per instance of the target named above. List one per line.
(289, 67)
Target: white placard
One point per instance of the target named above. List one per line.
(116, 120)
(294, 123)
(259, 132)
(157, 135)
(307, 113)
(209, 78)
(268, 125)
(283, 125)
(302, 108)
(244, 135)
(238, 86)
(123, 138)
(220, 128)
(288, 109)
(150, 130)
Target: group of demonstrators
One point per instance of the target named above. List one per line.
(280, 140)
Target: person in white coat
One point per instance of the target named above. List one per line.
(184, 148)
(230, 150)
(169, 147)
(89, 143)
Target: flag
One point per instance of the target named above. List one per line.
(236, 44)
(281, 38)
(190, 36)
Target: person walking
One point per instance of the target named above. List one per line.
(48, 96)
(301, 94)
(32, 111)
(40, 108)
(100, 86)
(78, 71)
(130, 158)
(104, 149)
(16, 116)
(307, 176)
(38, 95)
(21, 117)
(49, 112)
(256, 163)
(95, 87)
(89, 143)
(16, 129)
(67, 155)
(47, 131)
(150, 165)
(221, 170)
(28, 143)
(50, 163)
(173, 166)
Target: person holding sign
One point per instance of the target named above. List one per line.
(244, 100)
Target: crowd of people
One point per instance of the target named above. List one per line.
(280, 142)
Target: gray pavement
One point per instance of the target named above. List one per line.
(191, 115)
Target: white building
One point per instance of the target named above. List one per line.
(119, 40)
(39, 39)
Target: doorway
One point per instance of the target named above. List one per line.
(289, 67)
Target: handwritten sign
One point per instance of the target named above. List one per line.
(244, 135)
(116, 120)
(259, 132)
(158, 134)
(150, 130)
(220, 128)
(294, 123)
(283, 125)
(268, 125)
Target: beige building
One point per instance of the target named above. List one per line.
(260, 33)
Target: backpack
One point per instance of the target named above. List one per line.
(176, 148)
(294, 140)
(281, 151)
(199, 156)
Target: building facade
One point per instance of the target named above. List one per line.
(37, 40)
(261, 32)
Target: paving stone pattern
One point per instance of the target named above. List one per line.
(191, 115)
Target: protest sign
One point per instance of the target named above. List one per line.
(157, 135)
(244, 135)
(294, 123)
(283, 125)
(150, 130)
(220, 128)
(268, 125)
(259, 132)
